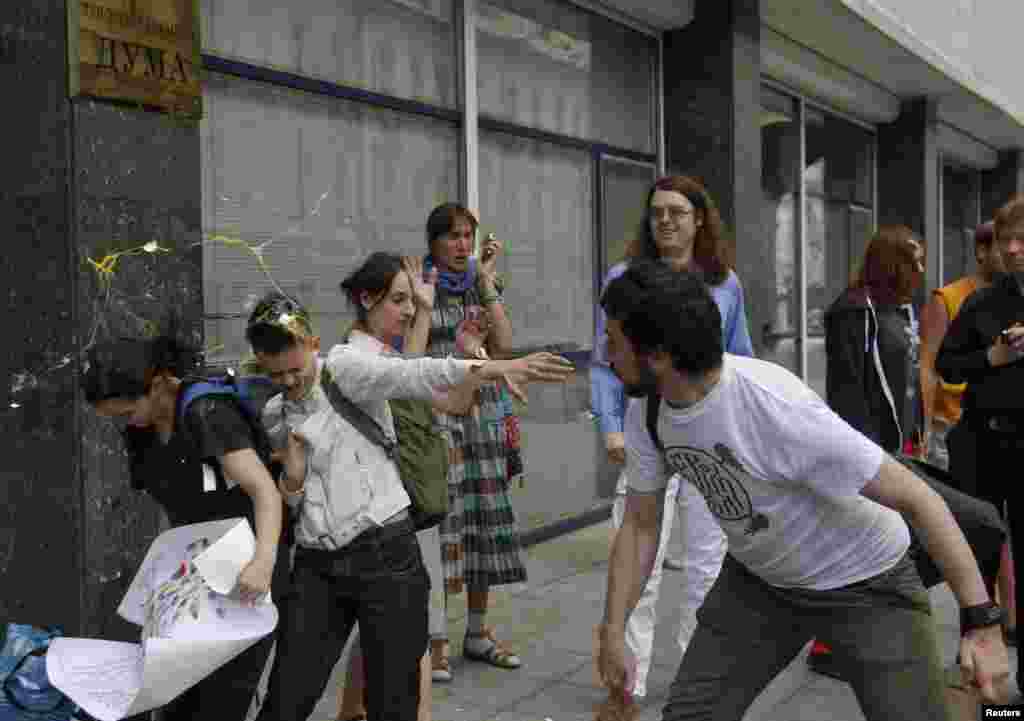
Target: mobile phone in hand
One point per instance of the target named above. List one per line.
(487, 252)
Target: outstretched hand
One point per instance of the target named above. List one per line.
(534, 368)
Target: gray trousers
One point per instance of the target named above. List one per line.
(880, 630)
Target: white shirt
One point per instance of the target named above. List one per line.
(351, 484)
(780, 472)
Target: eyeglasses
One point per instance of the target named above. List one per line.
(676, 213)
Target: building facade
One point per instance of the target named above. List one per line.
(331, 128)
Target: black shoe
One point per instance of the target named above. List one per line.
(825, 664)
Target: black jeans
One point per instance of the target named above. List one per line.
(998, 467)
(378, 580)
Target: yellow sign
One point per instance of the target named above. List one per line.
(146, 51)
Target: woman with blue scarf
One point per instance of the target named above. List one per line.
(480, 544)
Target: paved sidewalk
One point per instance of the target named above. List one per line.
(549, 621)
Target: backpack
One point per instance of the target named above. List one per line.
(26, 693)
(250, 394)
(421, 452)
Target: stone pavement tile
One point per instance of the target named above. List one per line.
(476, 695)
(821, 699)
(557, 701)
(589, 587)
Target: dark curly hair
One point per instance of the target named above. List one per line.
(125, 367)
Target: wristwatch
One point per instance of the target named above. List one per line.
(980, 616)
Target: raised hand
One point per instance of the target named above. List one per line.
(423, 288)
(489, 257)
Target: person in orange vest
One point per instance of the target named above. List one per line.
(942, 400)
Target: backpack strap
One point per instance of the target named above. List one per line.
(198, 390)
(360, 419)
(653, 404)
(246, 393)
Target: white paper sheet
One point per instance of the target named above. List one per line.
(189, 628)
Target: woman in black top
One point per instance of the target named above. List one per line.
(871, 344)
(212, 465)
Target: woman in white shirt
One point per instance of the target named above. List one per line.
(357, 558)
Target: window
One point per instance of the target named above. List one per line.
(404, 48)
(839, 182)
(320, 183)
(624, 188)
(334, 127)
(826, 164)
(537, 197)
(553, 67)
(780, 189)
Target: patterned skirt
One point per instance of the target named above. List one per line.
(480, 544)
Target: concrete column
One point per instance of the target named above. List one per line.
(998, 184)
(712, 108)
(82, 180)
(909, 173)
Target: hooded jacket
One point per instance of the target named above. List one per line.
(868, 373)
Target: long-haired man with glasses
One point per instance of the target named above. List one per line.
(683, 230)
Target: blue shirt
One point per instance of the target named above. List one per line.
(607, 399)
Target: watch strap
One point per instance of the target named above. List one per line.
(980, 616)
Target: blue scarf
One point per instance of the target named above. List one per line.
(455, 283)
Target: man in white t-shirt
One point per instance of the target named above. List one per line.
(811, 509)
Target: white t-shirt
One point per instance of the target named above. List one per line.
(780, 472)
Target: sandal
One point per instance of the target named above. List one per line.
(497, 655)
(440, 668)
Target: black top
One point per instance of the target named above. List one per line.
(963, 356)
(172, 472)
(854, 388)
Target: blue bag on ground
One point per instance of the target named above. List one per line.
(26, 693)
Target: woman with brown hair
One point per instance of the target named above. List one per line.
(480, 545)
(871, 344)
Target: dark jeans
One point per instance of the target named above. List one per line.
(880, 630)
(997, 463)
(378, 580)
(227, 693)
